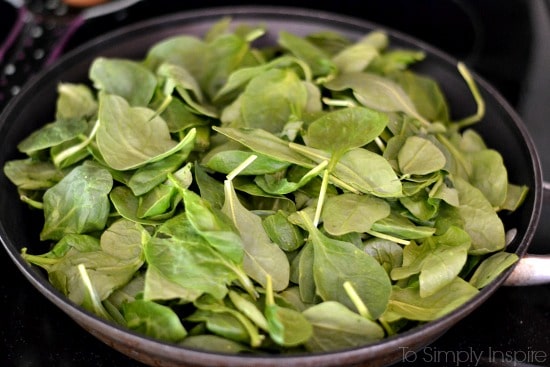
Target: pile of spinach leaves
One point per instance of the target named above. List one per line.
(311, 195)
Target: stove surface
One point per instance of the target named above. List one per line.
(505, 42)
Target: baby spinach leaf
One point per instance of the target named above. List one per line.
(274, 184)
(285, 234)
(156, 202)
(376, 92)
(355, 57)
(214, 343)
(249, 309)
(425, 93)
(491, 267)
(348, 212)
(287, 327)
(401, 227)
(125, 78)
(182, 81)
(226, 161)
(264, 142)
(126, 204)
(360, 170)
(316, 58)
(262, 258)
(146, 177)
(52, 134)
(394, 60)
(29, 174)
(480, 220)
(270, 98)
(223, 324)
(345, 129)
(438, 260)
(74, 101)
(185, 257)
(337, 327)
(419, 156)
(154, 320)
(515, 196)
(226, 52)
(389, 254)
(110, 262)
(79, 203)
(336, 262)
(158, 287)
(241, 76)
(407, 302)
(489, 175)
(207, 305)
(130, 137)
(183, 50)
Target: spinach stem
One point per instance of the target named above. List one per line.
(380, 143)
(96, 305)
(456, 153)
(162, 107)
(477, 97)
(357, 301)
(386, 326)
(322, 194)
(38, 260)
(388, 237)
(241, 167)
(57, 160)
(33, 203)
(338, 102)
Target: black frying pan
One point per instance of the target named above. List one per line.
(501, 128)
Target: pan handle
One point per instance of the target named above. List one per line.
(532, 269)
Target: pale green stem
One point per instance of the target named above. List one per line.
(241, 167)
(322, 194)
(75, 148)
(357, 301)
(388, 237)
(33, 203)
(338, 102)
(477, 97)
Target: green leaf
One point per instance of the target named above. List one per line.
(28, 174)
(348, 212)
(491, 267)
(438, 260)
(74, 101)
(183, 256)
(480, 219)
(270, 98)
(336, 327)
(316, 58)
(419, 156)
(79, 203)
(52, 134)
(130, 137)
(125, 78)
(226, 161)
(154, 320)
(262, 258)
(407, 303)
(345, 129)
(336, 262)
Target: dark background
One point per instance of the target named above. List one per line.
(506, 42)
